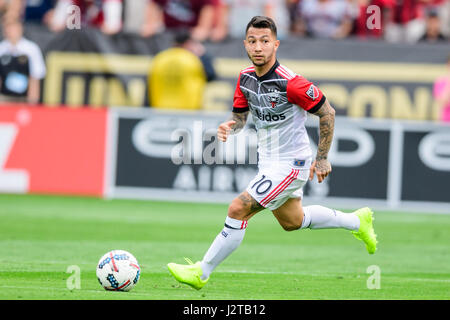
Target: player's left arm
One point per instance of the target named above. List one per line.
(306, 95)
(321, 166)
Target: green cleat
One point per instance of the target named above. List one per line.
(366, 232)
(189, 274)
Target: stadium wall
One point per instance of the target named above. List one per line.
(161, 155)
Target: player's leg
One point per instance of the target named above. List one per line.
(359, 222)
(229, 238)
(285, 202)
(292, 216)
(287, 207)
(240, 211)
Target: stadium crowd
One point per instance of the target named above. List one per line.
(218, 20)
(23, 69)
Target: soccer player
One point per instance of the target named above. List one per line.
(278, 100)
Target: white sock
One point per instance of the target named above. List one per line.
(318, 217)
(224, 244)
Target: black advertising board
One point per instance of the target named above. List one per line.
(359, 159)
(426, 165)
(175, 155)
(147, 158)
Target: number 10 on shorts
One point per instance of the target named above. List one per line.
(262, 185)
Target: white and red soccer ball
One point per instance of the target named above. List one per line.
(118, 270)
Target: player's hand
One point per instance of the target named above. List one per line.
(322, 168)
(224, 130)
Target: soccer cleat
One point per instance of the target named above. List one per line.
(365, 231)
(189, 274)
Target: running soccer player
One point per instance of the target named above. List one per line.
(278, 100)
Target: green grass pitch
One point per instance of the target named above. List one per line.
(41, 236)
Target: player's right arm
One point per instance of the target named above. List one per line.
(239, 115)
(232, 126)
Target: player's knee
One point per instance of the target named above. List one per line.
(291, 226)
(236, 210)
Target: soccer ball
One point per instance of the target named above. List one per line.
(118, 270)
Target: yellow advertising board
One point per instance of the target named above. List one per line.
(356, 89)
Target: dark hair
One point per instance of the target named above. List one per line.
(262, 22)
(432, 13)
(181, 36)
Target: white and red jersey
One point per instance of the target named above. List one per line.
(278, 102)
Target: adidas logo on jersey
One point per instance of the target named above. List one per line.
(269, 117)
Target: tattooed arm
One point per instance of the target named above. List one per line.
(232, 126)
(321, 166)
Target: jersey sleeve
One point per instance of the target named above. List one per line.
(240, 103)
(305, 94)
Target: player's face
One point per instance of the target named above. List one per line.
(261, 46)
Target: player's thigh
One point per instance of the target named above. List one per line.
(290, 214)
(244, 207)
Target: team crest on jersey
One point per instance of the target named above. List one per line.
(274, 97)
(313, 92)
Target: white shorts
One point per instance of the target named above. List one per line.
(277, 182)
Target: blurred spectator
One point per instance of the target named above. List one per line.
(219, 30)
(11, 9)
(296, 26)
(433, 28)
(195, 15)
(441, 93)
(153, 20)
(278, 11)
(444, 14)
(3, 8)
(328, 18)
(103, 14)
(134, 14)
(405, 20)
(29, 11)
(37, 11)
(237, 13)
(21, 65)
(184, 40)
(177, 76)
